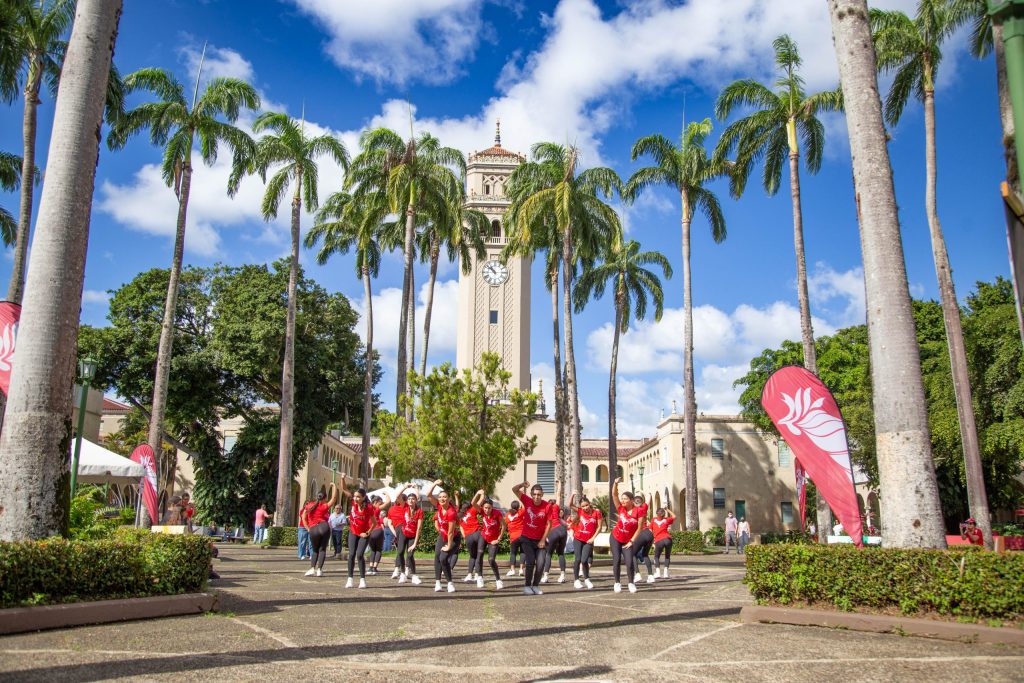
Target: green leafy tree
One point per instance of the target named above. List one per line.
(462, 432)
(10, 180)
(685, 169)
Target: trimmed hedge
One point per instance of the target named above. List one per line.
(962, 581)
(714, 536)
(792, 537)
(283, 535)
(687, 541)
(130, 565)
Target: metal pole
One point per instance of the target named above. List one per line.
(1010, 13)
(78, 436)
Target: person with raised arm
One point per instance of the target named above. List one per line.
(645, 540)
(362, 519)
(446, 521)
(469, 524)
(585, 526)
(627, 527)
(394, 521)
(315, 516)
(536, 526)
(514, 524)
(492, 526)
(409, 538)
(375, 542)
(660, 526)
(556, 538)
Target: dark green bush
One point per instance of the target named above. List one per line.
(792, 537)
(714, 536)
(283, 535)
(962, 581)
(130, 565)
(1008, 530)
(692, 541)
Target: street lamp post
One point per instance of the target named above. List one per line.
(641, 468)
(86, 371)
(632, 484)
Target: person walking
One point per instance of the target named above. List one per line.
(259, 530)
(731, 526)
(660, 526)
(337, 521)
(557, 537)
(536, 526)
(315, 517)
(492, 526)
(627, 527)
(586, 525)
(446, 521)
(514, 524)
(362, 519)
(408, 538)
(393, 522)
(743, 531)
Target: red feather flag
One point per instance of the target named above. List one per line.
(144, 456)
(10, 314)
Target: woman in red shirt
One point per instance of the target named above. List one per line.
(660, 525)
(645, 539)
(556, 538)
(469, 525)
(585, 527)
(514, 524)
(362, 519)
(394, 521)
(408, 537)
(375, 543)
(492, 525)
(446, 520)
(627, 527)
(536, 526)
(315, 516)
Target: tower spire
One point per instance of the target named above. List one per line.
(497, 134)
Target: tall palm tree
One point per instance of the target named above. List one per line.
(345, 224)
(34, 443)
(625, 269)
(174, 124)
(911, 49)
(910, 494)
(782, 119)
(416, 176)
(685, 169)
(286, 147)
(583, 221)
(10, 180)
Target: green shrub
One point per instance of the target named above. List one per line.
(1008, 530)
(962, 581)
(131, 564)
(283, 535)
(691, 541)
(791, 537)
(714, 536)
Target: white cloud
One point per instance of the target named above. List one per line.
(825, 286)
(396, 41)
(95, 296)
(218, 62)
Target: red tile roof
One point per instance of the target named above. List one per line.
(498, 151)
(601, 453)
(112, 406)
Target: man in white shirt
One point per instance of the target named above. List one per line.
(731, 526)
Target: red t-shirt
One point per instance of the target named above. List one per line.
(587, 525)
(642, 509)
(396, 513)
(491, 526)
(382, 514)
(443, 518)
(315, 513)
(535, 522)
(361, 521)
(468, 522)
(627, 523)
(975, 536)
(514, 523)
(660, 527)
(555, 514)
(411, 522)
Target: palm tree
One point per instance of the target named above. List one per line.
(623, 267)
(34, 443)
(417, 178)
(583, 221)
(912, 50)
(287, 148)
(174, 125)
(781, 121)
(685, 169)
(345, 224)
(910, 495)
(10, 180)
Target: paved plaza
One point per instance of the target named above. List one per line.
(275, 624)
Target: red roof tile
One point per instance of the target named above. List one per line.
(111, 406)
(498, 151)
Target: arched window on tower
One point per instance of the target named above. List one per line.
(487, 188)
(496, 229)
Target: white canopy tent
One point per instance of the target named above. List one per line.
(97, 465)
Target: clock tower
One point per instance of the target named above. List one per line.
(494, 298)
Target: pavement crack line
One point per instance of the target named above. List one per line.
(697, 638)
(282, 640)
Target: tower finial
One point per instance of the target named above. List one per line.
(497, 134)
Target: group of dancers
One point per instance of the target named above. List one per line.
(537, 528)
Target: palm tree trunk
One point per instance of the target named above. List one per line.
(613, 450)
(403, 321)
(16, 287)
(364, 465)
(165, 349)
(911, 514)
(435, 253)
(1005, 109)
(282, 510)
(34, 477)
(571, 396)
(806, 328)
(560, 468)
(689, 391)
(977, 500)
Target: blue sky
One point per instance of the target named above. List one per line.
(599, 74)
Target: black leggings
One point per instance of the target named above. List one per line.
(376, 546)
(643, 544)
(356, 548)
(664, 545)
(516, 551)
(491, 550)
(444, 560)
(401, 544)
(534, 559)
(584, 554)
(621, 553)
(319, 539)
(556, 546)
(475, 546)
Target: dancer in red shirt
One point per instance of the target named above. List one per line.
(586, 525)
(627, 527)
(375, 542)
(409, 537)
(362, 519)
(492, 525)
(536, 526)
(556, 538)
(469, 525)
(645, 539)
(448, 538)
(315, 516)
(660, 526)
(394, 521)
(514, 524)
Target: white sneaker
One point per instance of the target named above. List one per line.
(511, 572)
(664, 573)
(394, 574)
(401, 578)
(544, 577)
(577, 584)
(437, 587)
(416, 580)
(319, 572)
(561, 577)
(588, 584)
(362, 583)
(498, 585)
(537, 591)
(479, 582)
(348, 584)
(632, 588)
(469, 577)
(617, 588)
(528, 590)
(650, 578)
(520, 571)
(310, 572)
(451, 587)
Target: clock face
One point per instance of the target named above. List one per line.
(494, 273)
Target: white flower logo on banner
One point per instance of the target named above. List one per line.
(7, 341)
(825, 430)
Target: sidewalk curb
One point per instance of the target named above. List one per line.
(876, 623)
(23, 619)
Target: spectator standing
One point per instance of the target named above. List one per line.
(338, 522)
(260, 528)
(188, 511)
(305, 549)
(744, 534)
(731, 526)
(970, 532)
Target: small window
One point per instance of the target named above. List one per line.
(229, 443)
(546, 476)
(602, 473)
(787, 512)
(496, 229)
(585, 474)
(785, 454)
(494, 317)
(717, 448)
(719, 498)
(487, 188)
